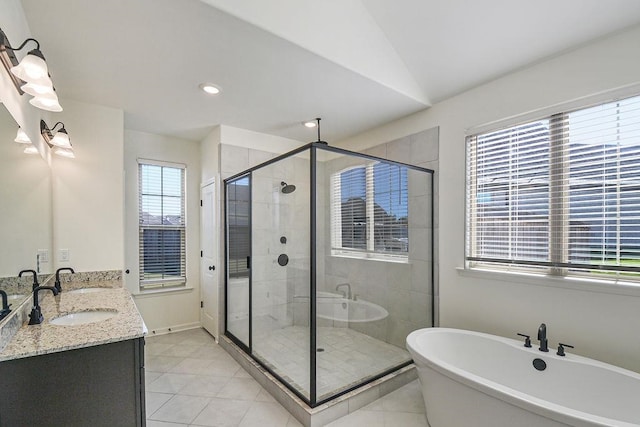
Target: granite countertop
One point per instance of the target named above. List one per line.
(33, 340)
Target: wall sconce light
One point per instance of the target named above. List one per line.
(31, 75)
(58, 142)
(21, 137)
(30, 149)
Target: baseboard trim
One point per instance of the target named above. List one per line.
(176, 328)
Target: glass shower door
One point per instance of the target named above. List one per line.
(280, 269)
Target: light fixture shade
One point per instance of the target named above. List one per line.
(64, 152)
(22, 137)
(30, 149)
(33, 69)
(48, 104)
(44, 91)
(61, 139)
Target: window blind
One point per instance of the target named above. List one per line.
(239, 227)
(161, 225)
(370, 209)
(561, 194)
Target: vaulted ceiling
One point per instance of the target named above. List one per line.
(355, 63)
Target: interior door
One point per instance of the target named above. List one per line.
(209, 277)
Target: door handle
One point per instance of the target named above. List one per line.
(212, 267)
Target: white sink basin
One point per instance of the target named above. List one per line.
(83, 317)
(87, 290)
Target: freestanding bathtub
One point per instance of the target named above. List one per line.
(471, 379)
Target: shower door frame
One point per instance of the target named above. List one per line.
(312, 401)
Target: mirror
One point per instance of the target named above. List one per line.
(26, 227)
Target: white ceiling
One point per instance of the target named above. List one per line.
(355, 63)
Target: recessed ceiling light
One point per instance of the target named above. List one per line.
(310, 124)
(210, 88)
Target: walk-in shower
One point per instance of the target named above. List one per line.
(324, 283)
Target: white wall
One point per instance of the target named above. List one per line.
(88, 191)
(601, 325)
(172, 309)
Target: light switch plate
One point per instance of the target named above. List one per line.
(43, 255)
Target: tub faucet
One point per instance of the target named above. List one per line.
(57, 282)
(35, 277)
(346, 294)
(542, 337)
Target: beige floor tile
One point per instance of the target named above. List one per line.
(405, 399)
(264, 396)
(192, 366)
(240, 389)
(222, 413)
(170, 383)
(265, 414)
(155, 400)
(404, 419)
(211, 389)
(292, 422)
(204, 386)
(180, 409)
(181, 350)
(161, 363)
(152, 423)
(222, 368)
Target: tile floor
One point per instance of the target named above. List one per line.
(346, 358)
(191, 381)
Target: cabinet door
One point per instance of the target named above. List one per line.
(93, 386)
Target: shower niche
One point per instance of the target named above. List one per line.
(329, 266)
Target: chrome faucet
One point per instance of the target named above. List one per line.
(542, 337)
(346, 294)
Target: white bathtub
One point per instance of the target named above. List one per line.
(471, 379)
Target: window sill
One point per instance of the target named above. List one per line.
(615, 287)
(162, 291)
(370, 257)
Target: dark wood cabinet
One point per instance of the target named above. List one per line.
(93, 386)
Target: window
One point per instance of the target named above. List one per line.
(558, 196)
(370, 210)
(161, 225)
(238, 227)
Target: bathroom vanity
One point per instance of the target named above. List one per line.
(75, 373)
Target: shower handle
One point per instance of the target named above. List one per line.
(212, 267)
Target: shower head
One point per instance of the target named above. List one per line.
(286, 188)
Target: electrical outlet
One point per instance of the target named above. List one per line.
(64, 255)
(43, 255)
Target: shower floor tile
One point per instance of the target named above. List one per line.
(347, 357)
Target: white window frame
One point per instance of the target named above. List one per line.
(336, 219)
(557, 266)
(175, 281)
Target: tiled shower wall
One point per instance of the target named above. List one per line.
(280, 294)
(402, 288)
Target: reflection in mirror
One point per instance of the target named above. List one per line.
(238, 256)
(25, 212)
